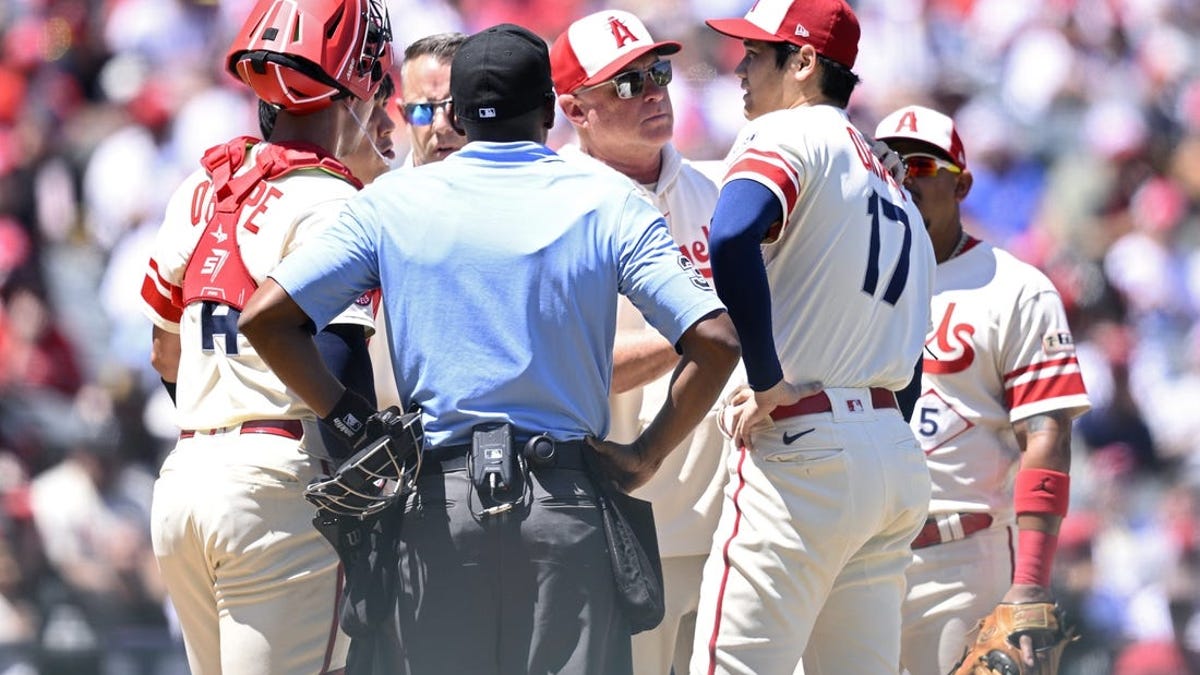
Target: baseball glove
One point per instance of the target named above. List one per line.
(994, 645)
(375, 476)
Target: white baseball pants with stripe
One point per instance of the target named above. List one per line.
(807, 570)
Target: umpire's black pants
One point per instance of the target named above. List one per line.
(526, 591)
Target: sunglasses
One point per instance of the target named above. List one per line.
(924, 166)
(421, 114)
(632, 82)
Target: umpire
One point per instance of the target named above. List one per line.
(500, 268)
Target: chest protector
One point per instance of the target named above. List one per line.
(215, 272)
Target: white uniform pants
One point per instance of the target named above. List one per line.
(951, 587)
(256, 588)
(669, 645)
(809, 558)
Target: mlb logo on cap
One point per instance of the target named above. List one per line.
(487, 113)
(926, 125)
(598, 46)
(830, 26)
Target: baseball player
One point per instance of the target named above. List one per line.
(256, 588)
(498, 267)
(999, 391)
(612, 77)
(827, 271)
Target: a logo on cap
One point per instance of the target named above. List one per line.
(909, 121)
(801, 30)
(487, 113)
(620, 32)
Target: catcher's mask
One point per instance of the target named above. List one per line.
(375, 477)
(300, 55)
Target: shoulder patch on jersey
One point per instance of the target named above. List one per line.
(1058, 342)
(698, 280)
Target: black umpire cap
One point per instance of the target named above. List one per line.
(499, 73)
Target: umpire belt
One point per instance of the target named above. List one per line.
(567, 455)
(947, 527)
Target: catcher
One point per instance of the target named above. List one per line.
(1000, 388)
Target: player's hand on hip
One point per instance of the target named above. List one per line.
(624, 463)
(750, 410)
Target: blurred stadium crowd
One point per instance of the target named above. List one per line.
(1081, 120)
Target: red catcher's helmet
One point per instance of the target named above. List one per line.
(302, 54)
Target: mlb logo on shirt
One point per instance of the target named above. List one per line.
(854, 405)
(486, 113)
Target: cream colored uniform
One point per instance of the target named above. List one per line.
(1000, 351)
(809, 557)
(256, 588)
(686, 490)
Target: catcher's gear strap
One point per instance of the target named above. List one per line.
(215, 270)
(1041, 491)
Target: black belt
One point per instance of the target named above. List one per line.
(567, 455)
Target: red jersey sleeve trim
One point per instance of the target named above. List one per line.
(1042, 365)
(772, 169)
(1058, 386)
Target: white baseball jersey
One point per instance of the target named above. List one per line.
(222, 381)
(1000, 351)
(686, 491)
(851, 256)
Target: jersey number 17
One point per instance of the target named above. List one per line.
(875, 208)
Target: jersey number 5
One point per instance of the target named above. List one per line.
(877, 206)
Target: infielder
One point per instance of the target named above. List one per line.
(612, 77)
(827, 271)
(256, 588)
(1000, 388)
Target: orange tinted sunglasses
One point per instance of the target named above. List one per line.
(922, 166)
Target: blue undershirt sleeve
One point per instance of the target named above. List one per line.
(343, 348)
(745, 212)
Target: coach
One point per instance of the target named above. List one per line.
(498, 268)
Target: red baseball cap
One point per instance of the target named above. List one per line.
(596, 47)
(926, 125)
(828, 25)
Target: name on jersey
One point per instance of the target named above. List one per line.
(1058, 342)
(204, 203)
(870, 162)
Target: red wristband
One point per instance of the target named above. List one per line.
(1035, 557)
(1042, 491)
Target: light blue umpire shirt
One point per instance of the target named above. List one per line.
(500, 268)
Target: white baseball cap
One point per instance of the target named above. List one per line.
(596, 47)
(926, 125)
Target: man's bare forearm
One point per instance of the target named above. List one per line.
(710, 352)
(640, 357)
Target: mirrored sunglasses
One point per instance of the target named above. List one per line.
(632, 82)
(924, 166)
(421, 114)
